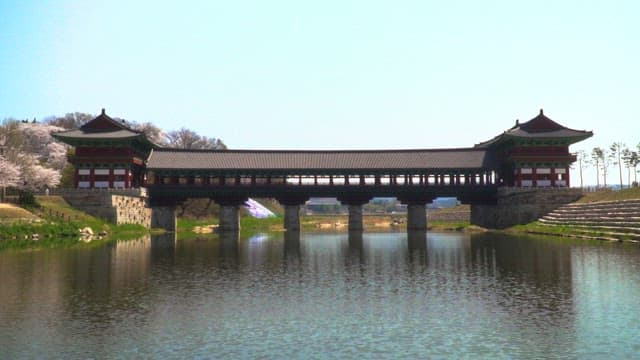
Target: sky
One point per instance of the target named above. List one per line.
(329, 74)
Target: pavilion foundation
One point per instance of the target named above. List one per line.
(164, 217)
(515, 206)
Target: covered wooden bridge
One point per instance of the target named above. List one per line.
(230, 177)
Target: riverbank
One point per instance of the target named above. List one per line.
(604, 215)
(325, 223)
(51, 222)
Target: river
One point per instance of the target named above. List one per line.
(378, 295)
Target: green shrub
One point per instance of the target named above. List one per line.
(27, 199)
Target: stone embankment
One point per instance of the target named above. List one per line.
(610, 220)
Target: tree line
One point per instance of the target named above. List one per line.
(32, 160)
(619, 156)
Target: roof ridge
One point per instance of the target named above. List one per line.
(306, 151)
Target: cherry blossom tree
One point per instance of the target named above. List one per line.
(9, 176)
(152, 132)
(35, 177)
(37, 140)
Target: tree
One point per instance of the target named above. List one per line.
(597, 154)
(34, 176)
(582, 162)
(152, 132)
(37, 140)
(69, 120)
(605, 164)
(631, 161)
(9, 176)
(31, 148)
(189, 139)
(617, 148)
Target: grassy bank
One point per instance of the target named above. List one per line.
(51, 222)
(610, 195)
(536, 228)
(587, 232)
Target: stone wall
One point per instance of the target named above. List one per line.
(115, 207)
(516, 206)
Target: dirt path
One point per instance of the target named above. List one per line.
(10, 211)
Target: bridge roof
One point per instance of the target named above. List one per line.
(270, 160)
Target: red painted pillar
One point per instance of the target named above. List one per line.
(534, 177)
(76, 177)
(553, 176)
(91, 178)
(110, 178)
(519, 177)
(566, 174)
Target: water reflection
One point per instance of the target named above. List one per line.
(292, 247)
(417, 246)
(347, 295)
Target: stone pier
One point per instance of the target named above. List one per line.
(292, 217)
(292, 211)
(417, 212)
(229, 218)
(355, 211)
(416, 217)
(355, 218)
(164, 217)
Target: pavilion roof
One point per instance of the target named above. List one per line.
(540, 127)
(102, 127)
(342, 160)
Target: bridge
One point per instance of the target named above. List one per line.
(534, 154)
(230, 177)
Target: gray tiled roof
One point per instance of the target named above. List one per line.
(540, 127)
(467, 158)
(81, 134)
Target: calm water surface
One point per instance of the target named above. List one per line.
(324, 296)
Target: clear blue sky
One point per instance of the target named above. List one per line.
(328, 74)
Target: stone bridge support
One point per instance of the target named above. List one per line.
(292, 211)
(164, 217)
(417, 212)
(229, 213)
(354, 204)
(416, 217)
(229, 217)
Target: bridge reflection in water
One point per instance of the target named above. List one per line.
(324, 294)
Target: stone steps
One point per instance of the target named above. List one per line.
(614, 219)
(630, 228)
(590, 222)
(608, 235)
